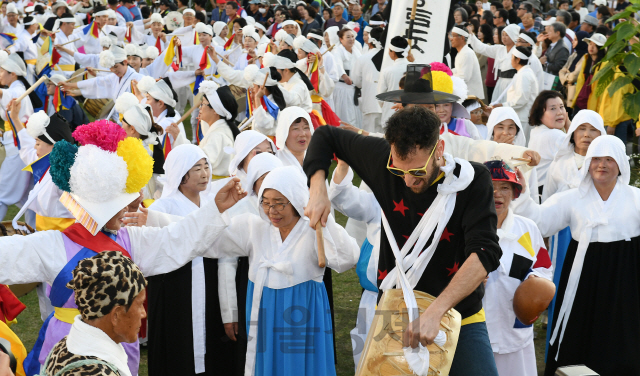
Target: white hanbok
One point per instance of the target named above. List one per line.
(521, 95)
(502, 62)
(389, 81)
(468, 69)
(216, 138)
(366, 76)
(343, 95)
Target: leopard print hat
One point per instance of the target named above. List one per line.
(103, 281)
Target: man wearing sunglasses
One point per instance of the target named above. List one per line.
(409, 174)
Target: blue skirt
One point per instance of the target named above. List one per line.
(295, 335)
(562, 238)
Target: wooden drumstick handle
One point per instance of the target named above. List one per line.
(32, 88)
(322, 260)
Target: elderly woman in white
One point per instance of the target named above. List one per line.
(565, 173)
(208, 301)
(599, 288)
(284, 277)
(293, 135)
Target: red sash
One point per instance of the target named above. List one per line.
(10, 306)
(99, 243)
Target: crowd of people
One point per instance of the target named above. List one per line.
(213, 244)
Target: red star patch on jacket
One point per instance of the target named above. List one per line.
(399, 207)
(382, 274)
(446, 235)
(454, 269)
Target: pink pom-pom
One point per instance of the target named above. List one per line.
(101, 133)
(441, 68)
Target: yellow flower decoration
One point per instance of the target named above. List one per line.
(442, 82)
(139, 163)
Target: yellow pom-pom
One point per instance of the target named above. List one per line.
(442, 82)
(139, 163)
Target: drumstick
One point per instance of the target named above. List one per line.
(32, 88)
(528, 160)
(266, 77)
(196, 103)
(224, 58)
(322, 261)
(77, 75)
(71, 41)
(328, 49)
(101, 70)
(245, 123)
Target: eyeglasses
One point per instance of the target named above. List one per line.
(277, 207)
(417, 172)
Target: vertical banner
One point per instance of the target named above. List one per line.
(429, 29)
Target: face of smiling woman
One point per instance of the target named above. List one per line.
(299, 136)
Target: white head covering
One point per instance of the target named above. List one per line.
(181, 159)
(162, 92)
(245, 142)
(107, 41)
(111, 13)
(156, 17)
(260, 165)
(285, 120)
(151, 52)
(500, 114)
(250, 31)
(305, 44)
(282, 36)
(57, 78)
(189, 10)
(605, 146)
(136, 115)
(294, 23)
(256, 76)
(526, 38)
(118, 54)
(218, 26)
(38, 123)
(278, 62)
(11, 8)
(513, 31)
(288, 181)
(104, 12)
(14, 64)
(582, 117)
(210, 90)
(334, 39)
(145, 84)
(106, 59)
(460, 32)
(202, 28)
(250, 21)
(133, 50)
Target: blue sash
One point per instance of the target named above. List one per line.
(363, 264)
(59, 292)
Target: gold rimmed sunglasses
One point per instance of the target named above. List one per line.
(417, 172)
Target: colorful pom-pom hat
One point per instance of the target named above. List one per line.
(103, 175)
(418, 89)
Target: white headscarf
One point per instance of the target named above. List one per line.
(605, 146)
(243, 145)
(294, 23)
(288, 181)
(218, 26)
(582, 117)
(285, 119)
(14, 64)
(500, 114)
(162, 92)
(260, 165)
(178, 163)
(513, 31)
(334, 39)
(210, 90)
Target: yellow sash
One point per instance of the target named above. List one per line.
(31, 61)
(66, 67)
(316, 98)
(66, 314)
(478, 317)
(51, 223)
(218, 177)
